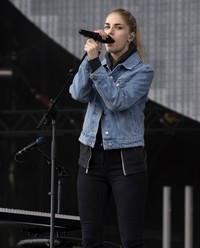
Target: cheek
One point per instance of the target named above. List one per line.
(123, 43)
(123, 39)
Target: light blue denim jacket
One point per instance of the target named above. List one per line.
(116, 97)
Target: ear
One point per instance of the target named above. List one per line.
(131, 36)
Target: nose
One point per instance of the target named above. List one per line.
(110, 31)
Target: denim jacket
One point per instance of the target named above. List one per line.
(116, 97)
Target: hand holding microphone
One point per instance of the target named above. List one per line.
(92, 47)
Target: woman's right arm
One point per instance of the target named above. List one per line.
(81, 87)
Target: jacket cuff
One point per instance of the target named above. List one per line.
(94, 64)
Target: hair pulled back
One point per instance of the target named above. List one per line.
(133, 26)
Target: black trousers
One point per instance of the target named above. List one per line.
(104, 177)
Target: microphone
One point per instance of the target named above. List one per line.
(95, 36)
(39, 141)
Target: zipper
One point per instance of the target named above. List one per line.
(87, 167)
(123, 166)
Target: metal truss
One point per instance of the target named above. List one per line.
(159, 119)
(24, 122)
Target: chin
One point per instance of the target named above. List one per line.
(110, 49)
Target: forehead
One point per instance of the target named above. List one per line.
(114, 18)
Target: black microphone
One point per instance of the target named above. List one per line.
(95, 36)
(39, 141)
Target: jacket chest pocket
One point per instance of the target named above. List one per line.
(122, 82)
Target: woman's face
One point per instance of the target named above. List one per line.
(117, 28)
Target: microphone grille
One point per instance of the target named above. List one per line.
(40, 141)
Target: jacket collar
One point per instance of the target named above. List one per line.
(129, 63)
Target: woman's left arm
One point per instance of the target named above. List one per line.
(126, 91)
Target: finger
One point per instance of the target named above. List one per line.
(102, 33)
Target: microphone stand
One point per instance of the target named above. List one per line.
(61, 174)
(52, 113)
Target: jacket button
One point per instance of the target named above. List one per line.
(106, 133)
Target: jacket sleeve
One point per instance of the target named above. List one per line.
(81, 87)
(127, 90)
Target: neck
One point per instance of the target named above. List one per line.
(115, 56)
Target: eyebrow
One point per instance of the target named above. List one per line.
(116, 24)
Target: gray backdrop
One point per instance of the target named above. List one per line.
(170, 32)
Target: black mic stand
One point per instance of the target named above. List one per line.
(61, 174)
(52, 113)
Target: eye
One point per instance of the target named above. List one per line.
(106, 27)
(118, 27)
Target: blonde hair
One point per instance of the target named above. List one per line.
(133, 26)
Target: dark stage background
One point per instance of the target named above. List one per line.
(39, 69)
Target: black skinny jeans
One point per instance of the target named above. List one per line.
(105, 176)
